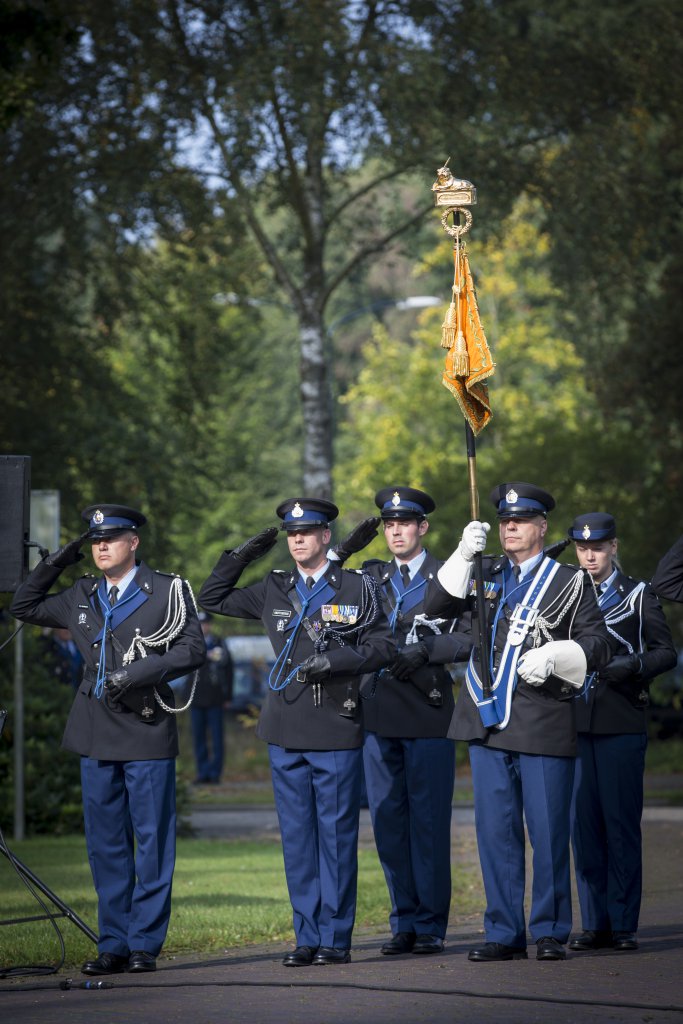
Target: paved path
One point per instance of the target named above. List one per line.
(250, 986)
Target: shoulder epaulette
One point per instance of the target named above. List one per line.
(280, 572)
(374, 561)
(173, 575)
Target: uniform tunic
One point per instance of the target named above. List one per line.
(127, 767)
(607, 800)
(525, 771)
(315, 733)
(409, 761)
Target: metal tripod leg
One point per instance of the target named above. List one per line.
(66, 911)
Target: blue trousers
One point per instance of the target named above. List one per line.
(410, 795)
(508, 788)
(208, 721)
(607, 805)
(130, 827)
(317, 797)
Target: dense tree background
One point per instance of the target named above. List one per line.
(194, 193)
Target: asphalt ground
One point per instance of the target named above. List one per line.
(250, 984)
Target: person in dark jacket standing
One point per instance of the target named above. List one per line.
(137, 629)
(408, 759)
(327, 628)
(545, 630)
(667, 581)
(611, 720)
(211, 696)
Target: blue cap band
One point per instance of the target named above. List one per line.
(124, 524)
(389, 506)
(521, 504)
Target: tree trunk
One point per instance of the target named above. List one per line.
(316, 402)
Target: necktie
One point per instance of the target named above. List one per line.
(405, 573)
(113, 596)
(516, 572)
(310, 582)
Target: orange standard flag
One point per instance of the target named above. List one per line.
(468, 361)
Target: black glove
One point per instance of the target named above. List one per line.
(553, 550)
(621, 668)
(256, 546)
(67, 555)
(409, 659)
(358, 539)
(314, 669)
(116, 683)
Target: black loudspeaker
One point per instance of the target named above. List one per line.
(15, 509)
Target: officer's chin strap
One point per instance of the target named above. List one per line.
(176, 614)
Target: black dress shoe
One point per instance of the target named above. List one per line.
(496, 951)
(550, 949)
(590, 939)
(330, 955)
(106, 963)
(401, 942)
(140, 961)
(302, 956)
(428, 944)
(624, 940)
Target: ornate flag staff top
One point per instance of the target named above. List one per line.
(468, 359)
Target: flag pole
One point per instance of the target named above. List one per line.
(484, 662)
(461, 377)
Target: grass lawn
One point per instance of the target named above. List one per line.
(225, 893)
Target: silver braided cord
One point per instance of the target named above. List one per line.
(571, 595)
(423, 620)
(176, 614)
(623, 611)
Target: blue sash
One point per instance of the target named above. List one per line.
(113, 617)
(406, 599)
(311, 601)
(494, 711)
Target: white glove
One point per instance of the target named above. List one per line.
(473, 539)
(562, 658)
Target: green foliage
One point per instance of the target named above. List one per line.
(225, 893)
(52, 781)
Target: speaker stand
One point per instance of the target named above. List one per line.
(64, 909)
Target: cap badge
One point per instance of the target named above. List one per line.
(297, 511)
(511, 496)
(586, 532)
(98, 518)
(396, 500)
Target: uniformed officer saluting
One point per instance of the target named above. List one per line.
(611, 719)
(327, 627)
(137, 629)
(409, 761)
(545, 630)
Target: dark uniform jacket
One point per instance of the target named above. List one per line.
(542, 717)
(289, 717)
(668, 579)
(421, 706)
(621, 706)
(96, 727)
(214, 682)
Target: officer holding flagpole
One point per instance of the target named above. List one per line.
(545, 631)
